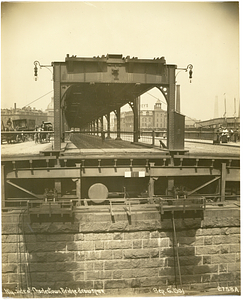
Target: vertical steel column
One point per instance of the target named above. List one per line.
(136, 110)
(62, 124)
(151, 187)
(177, 106)
(102, 129)
(57, 185)
(139, 116)
(101, 122)
(118, 123)
(78, 188)
(171, 183)
(94, 127)
(171, 108)
(108, 122)
(97, 122)
(153, 137)
(3, 186)
(78, 182)
(223, 181)
(57, 108)
(171, 180)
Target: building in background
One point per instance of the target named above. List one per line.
(29, 113)
(50, 111)
(159, 117)
(155, 119)
(191, 122)
(228, 122)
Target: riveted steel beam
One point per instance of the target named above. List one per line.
(94, 87)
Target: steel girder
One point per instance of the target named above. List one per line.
(86, 89)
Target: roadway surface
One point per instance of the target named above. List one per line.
(82, 144)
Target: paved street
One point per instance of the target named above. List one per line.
(208, 148)
(24, 148)
(83, 143)
(197, 146)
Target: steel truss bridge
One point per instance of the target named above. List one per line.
(86, 90)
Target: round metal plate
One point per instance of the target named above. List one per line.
(98, 192)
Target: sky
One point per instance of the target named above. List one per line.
(204, 34)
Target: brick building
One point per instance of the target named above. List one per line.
(28, 113)
(159, 117)
(149, 119)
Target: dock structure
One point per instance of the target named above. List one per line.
(116, 217)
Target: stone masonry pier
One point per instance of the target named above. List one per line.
(91, 253)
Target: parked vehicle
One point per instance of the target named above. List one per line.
(41, 136)
(14, 131)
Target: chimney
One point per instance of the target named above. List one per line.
(14, 106)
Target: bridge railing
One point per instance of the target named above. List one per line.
(147, 137)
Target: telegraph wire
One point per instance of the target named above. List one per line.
(37, 99)
(156, 98)
(166, 104)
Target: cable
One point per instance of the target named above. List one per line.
(19, 258)
(172, 219)
(27, 267)
(166, 104)
(156, 98)
(37, 99)
(177, 253)
(195, 121)
(27, 270)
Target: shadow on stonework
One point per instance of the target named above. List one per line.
(48, 251)
(183, 267)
